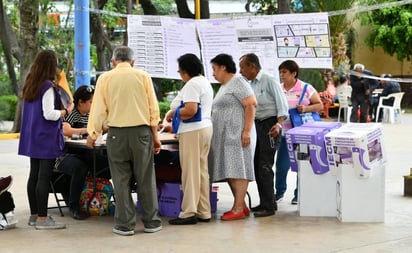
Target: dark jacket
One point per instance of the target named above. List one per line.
(390, 88)
(360, 85)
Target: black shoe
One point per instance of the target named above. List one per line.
(294, 201)
(183, 221)
(278, 197)
(264, 213)
(203, 220)
(77, 215)
(256, 208)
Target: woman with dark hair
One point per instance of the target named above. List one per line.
(76, 121)
(77, 162)
(293, 87)
(194, 101)
(41, 136)
(234, 136)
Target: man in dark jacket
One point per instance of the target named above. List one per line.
(389, 87)
(360, 93)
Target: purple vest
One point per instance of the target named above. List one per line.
(41, 138)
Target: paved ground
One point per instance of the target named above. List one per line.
(284, 232)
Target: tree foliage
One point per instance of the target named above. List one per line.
(339, 27)
(391, 29)
(267, 7)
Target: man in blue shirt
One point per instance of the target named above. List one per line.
(271, 110)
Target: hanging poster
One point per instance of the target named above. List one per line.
(158, 41)
(303, 38)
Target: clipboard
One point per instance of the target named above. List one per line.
(66, 96)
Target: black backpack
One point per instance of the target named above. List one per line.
(6, 203)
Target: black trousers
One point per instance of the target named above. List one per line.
(38, 185)
(74, 166)
(263, 162)
(363, 104)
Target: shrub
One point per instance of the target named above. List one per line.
(8, 105)
(164, 106)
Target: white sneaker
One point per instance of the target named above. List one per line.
(122, 231)
(49, 223)
(7, 221)
(152, 230)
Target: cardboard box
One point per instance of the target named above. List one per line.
(359, 145)
(317, 192)
(170, 200)
(322, 124)
(171, 196)
(213, 198)
(307, 143)
(359, 199)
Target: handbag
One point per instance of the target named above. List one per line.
(176, 117)
(297, 118)
(96, 196)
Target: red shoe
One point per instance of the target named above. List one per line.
(246, 211)
(233, 216)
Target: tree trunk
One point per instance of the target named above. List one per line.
(10, 47)
(184, 11)
(99, 37)
(284, 7)
(29, 42)
(204, 9)
(148, 7)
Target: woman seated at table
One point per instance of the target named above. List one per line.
(78, 162)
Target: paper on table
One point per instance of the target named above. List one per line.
(65, 93)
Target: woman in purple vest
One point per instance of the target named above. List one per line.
(41, 136)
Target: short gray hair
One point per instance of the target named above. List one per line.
(359, 66)
(123, 53)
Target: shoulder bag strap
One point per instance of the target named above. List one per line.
(303, 93)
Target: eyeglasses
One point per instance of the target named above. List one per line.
(90, 89)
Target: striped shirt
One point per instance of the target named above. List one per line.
(76, 119)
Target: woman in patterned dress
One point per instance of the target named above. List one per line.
(234, 137)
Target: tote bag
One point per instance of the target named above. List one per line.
(176, 117)
(298, 118)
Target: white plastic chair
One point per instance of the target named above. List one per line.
(396, 107)
(344, 104)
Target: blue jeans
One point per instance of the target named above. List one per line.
(282, 169)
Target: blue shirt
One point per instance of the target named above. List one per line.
(270, 97)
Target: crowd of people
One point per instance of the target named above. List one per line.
(236, 136)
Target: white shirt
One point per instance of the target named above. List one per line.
(47, 101)
(198, 90)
